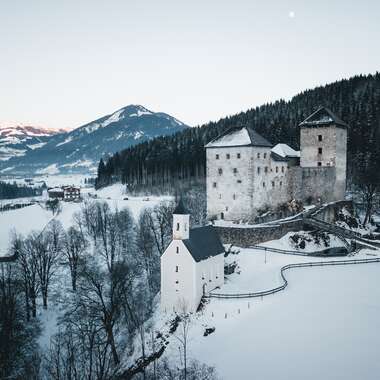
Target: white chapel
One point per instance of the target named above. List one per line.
(192, 264)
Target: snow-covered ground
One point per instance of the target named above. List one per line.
(322, 326)
(35, 217)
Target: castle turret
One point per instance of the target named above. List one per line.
(324, 145)
(181, 222)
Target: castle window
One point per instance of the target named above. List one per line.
(226, 208)
(258, 155)
(280, 183)
(177, 226)
(220, 171)
(319, 150)
(263, 184)
(238, 155)
(220, 196)
(258, 170)
(239, 181)
(234, 196)
(217, 156)
(282, 169)
(265, 155)
(177, 282)
(272, 183)
(319, 163)
(214, 184)
(319, 137)
(228, 156)
(276, 169)
(266, 169)
(177, 250)
(235, 170)
(176, 268)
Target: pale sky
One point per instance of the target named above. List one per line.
(64, 63)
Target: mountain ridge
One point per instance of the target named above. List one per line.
(80, 149)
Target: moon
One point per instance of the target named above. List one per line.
(292, 14)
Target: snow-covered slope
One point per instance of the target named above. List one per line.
(17, 139)
(81, 149)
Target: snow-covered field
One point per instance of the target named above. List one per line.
(322, 326)
(35, 217)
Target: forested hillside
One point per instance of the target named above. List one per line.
(165, 160)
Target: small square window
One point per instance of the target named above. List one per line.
(177, 282)
(265, 155)
(319, 163)
(272, 183)
(282, 169)
(235, 170)
(258, 155)
(319, 150)
(176, 268)
(280, 183)
(220, 171)
(234, 196)
(228, 156)
(238, 155)
(214, 184)
(239, 181)
(217, 156)
(276, 169)
(263, 184)
(266, 169)
(319, 137)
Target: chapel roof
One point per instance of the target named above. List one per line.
(239, 136)
(180, 208)
(323, 116)
(203, 242)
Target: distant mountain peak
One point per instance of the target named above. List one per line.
(80, 149)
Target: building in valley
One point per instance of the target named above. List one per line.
(71, 193)
(192, 264)
(246, 174)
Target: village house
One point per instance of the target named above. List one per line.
(246, 174)
(191, 266)
(71, 193)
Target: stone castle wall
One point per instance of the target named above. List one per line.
(247, 236)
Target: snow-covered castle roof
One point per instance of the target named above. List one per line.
(239, 136)
(323, 116)
(285, 151)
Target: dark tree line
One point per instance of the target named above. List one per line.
(13, 190)
(181, 157)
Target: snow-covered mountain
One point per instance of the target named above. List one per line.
(17, 139)
(80, 150)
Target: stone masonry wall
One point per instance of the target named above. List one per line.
(247, 236)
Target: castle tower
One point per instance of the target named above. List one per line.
(324, 145)
(181, 222)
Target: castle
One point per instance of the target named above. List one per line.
(246, 174)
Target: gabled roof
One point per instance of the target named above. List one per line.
(180, 208)
(323, 116)
(203, 242)
(239, 136)
(285, 151)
